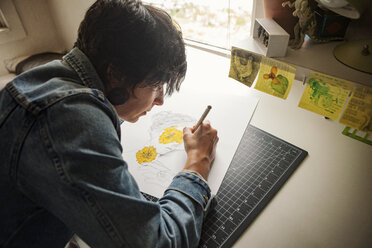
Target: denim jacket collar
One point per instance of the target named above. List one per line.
(43, 86)
(84, 68)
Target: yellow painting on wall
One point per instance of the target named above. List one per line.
(244, 65)
(325, 95)
(358, 112)
(275, 78)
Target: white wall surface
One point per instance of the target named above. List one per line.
(67, 15)
(41, 35)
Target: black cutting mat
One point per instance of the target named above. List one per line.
(261, 165)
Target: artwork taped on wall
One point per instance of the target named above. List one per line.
(244, 66)
(358, 112)
(325, 95)
(275, 77)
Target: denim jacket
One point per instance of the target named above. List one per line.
(62, 171)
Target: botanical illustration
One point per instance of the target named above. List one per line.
(279, 83)
(165, 139)
(171, 134)
(147, 154)
(275, 77)
(325, 95)
(321, 93)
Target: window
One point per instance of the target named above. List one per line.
(11, 28)
(214, 22)
(3, 23)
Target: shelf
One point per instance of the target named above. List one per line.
(314, 56)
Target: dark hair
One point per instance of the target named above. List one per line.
(141, 44)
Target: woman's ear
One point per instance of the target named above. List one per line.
(115, 92)
(117, 96)
(113, 80)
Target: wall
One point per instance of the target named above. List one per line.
(361, 28)
(41, 35)
(67, 15)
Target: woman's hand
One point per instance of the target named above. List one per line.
(200, 146)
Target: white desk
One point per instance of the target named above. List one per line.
(327, 202)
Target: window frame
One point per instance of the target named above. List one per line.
(15, 30)
(4, 26)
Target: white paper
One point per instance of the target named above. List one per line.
(232, 108)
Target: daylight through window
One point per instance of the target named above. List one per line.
(3, 23)
(214, 22)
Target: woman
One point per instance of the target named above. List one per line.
(62, 171)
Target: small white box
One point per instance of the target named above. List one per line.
(271, 37)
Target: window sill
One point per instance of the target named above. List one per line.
(208, 48)
(317, 57)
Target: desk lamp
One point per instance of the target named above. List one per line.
(356, 54)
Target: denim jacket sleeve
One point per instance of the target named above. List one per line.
(85, 182)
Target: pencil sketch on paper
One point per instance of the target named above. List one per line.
(166, 136)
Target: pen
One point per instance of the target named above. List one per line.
(202, 117)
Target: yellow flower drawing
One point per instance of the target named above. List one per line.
(171, 134)
(147, 154)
